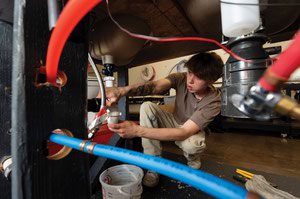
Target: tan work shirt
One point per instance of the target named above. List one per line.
(187, 106)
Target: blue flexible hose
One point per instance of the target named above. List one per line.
(205, 182)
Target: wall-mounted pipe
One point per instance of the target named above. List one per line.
(208, 183)
(53, 12)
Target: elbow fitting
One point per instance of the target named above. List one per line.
(288, 107)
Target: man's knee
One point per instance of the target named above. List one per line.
(147, 108)
(193, 144)
(146, 105)
(151, 147)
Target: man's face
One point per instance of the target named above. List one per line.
(194, 84)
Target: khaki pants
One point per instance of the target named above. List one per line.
(152, 116)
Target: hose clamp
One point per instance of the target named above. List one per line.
(258, 103)
(94, 126)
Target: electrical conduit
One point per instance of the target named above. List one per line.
(208, 183)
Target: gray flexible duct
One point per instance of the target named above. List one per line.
(100, 81)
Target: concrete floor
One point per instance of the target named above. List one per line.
(267, 152)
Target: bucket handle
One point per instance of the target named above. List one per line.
(126, 194)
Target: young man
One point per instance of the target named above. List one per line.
(197, 103)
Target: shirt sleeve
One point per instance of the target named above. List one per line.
(176, 79)
(205, 115)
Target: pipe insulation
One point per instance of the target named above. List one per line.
(286, 63)
(100, 81)
(289, 60)
(205, 182)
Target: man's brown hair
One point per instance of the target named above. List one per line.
(206, 66)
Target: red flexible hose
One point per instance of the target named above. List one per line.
(101, 111)
(73, 12)
(287, 62)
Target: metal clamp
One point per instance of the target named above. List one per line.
(257, 103)
(95, 125)
(6, 166)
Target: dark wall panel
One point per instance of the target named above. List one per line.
(5, 100)
(39, 110)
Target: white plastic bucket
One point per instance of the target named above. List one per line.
(122, 182)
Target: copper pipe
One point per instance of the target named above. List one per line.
(91, 147)
(289, 107)
(82, 144)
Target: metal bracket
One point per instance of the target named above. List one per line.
(94, 126)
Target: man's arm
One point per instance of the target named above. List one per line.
(129, 130)
(148, 88)
(141, 89)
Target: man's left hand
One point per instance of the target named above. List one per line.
(126, 129)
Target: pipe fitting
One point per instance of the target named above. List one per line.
(113, 115)
(109, 81)
(288, 107)
(259, 104)
(107, 59)
(6, 166)
(62, 151)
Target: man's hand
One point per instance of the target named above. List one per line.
(113, 94)
(126, 129)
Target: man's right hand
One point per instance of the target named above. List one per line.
(113, 94)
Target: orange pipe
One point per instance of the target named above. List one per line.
(73, 12)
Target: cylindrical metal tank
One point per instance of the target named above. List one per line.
(109, 39)
(239, 76)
